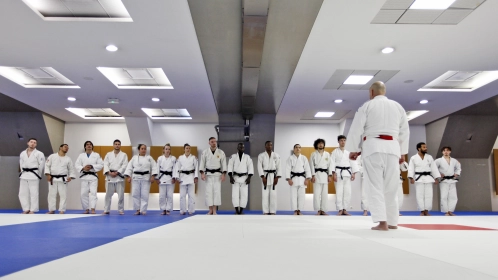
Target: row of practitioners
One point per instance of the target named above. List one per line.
(142, 170)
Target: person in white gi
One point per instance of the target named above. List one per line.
(380, 133)
(115, 163)
(402, 167)
(143, 169)
(186, 171)
(320, 171)
(269, 170)
(31, 163)
(213, 168)
(364, 200)
(88, 164)
(240, 166)
(59, 170)
(450, 169)
(343, 170)
(166, 165)
(423, 172)
(297, 174)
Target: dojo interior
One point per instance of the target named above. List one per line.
(246, 71)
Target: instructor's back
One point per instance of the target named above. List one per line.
(380, 133)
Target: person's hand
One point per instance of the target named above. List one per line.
(402, 159)
(151, 179)
(223, 177)
(354, 155)
(352, 177)
(454, 175)
(113, 174)
(128, 179)
(436, 181)
(87, 167)
(203, 177)
(173, 180)
(306, 181)
(290, 182)
(335, 177)
(275, 181)
(232, 180)
(49, 178)
(264, 181)
(329, 179)
(248, 180)
(442, 175)
(412, 181)
(196, 180)
(313, 179)
(68, 179)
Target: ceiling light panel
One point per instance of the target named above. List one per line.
(357, 80)
(42, 77)
(95, 113)
(324, 114)
(410, 115)
(431, 4)
(137, 78)
(339, 77)
(461, 81)
(80, 10)
(167, 114)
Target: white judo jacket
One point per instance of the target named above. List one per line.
(35, 160)
(94, 160)
(141, 164)
(186, 164)
(57, 165)
(213, 162)
(166, 164)
(403, 167)
(318, 161)
(341, 159)
(271, 162)
(240, 166)
(449, 170)
(417, 164)
(297, 165)
(115, 162)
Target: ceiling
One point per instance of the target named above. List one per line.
(198, 48)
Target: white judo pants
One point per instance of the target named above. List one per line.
(381, 175)
(269, 199)
(342, 192)
(140, 193)
(190, 190)
(110, 189)
(400, 197)
(297, 195)
(320, 197)
(239, 195)
(28, 195)
(213, 190)
(424, 196)
(60, 187)
(166, 196)
(89, 194)
(448, 196)
(364, 199)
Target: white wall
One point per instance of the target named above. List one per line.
(103, 134)
(286, 135)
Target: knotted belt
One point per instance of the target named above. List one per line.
(170, 173)
(187, 171)
(119, 174)
(141, 173)
(321, 170)
(32, 170)
(57, 176)
(274, 172)
(295, 174)
(342, 168)
(239, 174)
(420, 174)
(89, 173)
(383, 137)
(401, 177)
(213, 170)
(448, 178)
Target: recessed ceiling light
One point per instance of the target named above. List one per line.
(41, 77)
(111, 48)
(410, 115)
(387, 50)
(338, 101)
(424, 101)
(431, 4)
(155, 99)
(167, 114)
(71, 99)
(461, 81)
(357, 80)
(324, 114)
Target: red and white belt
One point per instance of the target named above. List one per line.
(383, 137)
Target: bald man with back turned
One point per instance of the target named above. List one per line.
(380, 133)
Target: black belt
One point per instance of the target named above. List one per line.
(294, 174)
(140, 173)
(321, 170)
(187, 171)
(448, 178)
(274, 172)
(89, 173)
(342, 169)
(420, 174)
(119, 174)
(170, 173)
(57, 176)
(239, 174)
(32, 170)
(213, 170)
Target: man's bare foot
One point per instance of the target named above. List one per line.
(164, 212)
(427, 213)
(167, 213)
(400, 214)
(105, 213)
(452, 214)
(93, 211)
(295, 213)
(324, 213)
(51, 212)
(381, 226)
(137, 213)
(214, 213)
(365, 213)
(182, 213)
(318, 213)
(143, 213)
(190, 214)
(422, 213)
(24, 212)
(61, 212)
(121, 213)
(210, 212)
(86, 211)
(392, 227)
(345, 213)
(299, 213)
(31, 212)
(447, 214)
(339, 213)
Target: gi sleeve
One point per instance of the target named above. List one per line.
(48, 165)
(196, 165)
(71, 170)
(202, 165)
(153, 167)
(411, 168)
(99, 165)
(129, 168)
(230, 165)
(124, 163)
(356, 131)
(307, 171)
(223, 159)
(79, 163)
(288, 168)
(250, 166)
(404, 133)
(278, 167)
(41, 163)
(260, 166)
(458, 168)
(107, 168)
